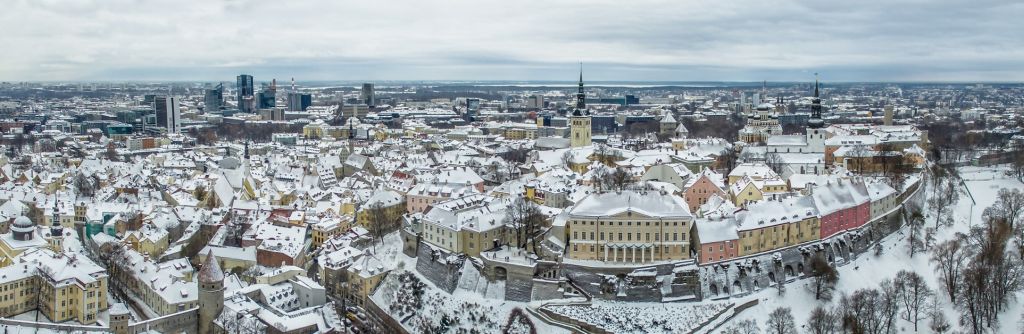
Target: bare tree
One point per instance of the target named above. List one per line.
(1017, 165)
(526, 221)
(938, 323)
(894, 164)
(747, 326)
(84, 185)
(620, 178)
(111, 153)
(859, 154)
(774, 161)
(914, 296)
(950, 257)
(567, 159)
(601, 178)
(915, 223)
(823, 278)
(869, 310)
(726, 160)
(822, 321)
(944, 194)
(200, 194)
(1009, 206)
(991, 279)
(380, 220)
(495, 169)
(781, 321)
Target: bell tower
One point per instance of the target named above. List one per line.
(579, 122)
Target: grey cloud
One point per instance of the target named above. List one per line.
(491, 40)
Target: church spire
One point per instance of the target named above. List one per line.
(815, 84)
(581, 104)
(815, 121)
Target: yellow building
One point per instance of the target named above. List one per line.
(467, 225)
(520, 131)
(579, 130)
(314, 130)
(745, 192)
(166, 287)
(25, 235)
(61, 287)
(328, 227)
(772, 225)
(392, 202)
(364, 275)
(149, 239)
(629, 227)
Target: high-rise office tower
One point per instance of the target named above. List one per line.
(366, 95)
(245, 93)
(214, 100)
(299, 101)
(168, 113)
(888, 115)
(267, 98)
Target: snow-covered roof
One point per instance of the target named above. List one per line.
(648, 203)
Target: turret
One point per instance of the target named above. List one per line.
(211, 293)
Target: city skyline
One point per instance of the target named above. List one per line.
(649, 41)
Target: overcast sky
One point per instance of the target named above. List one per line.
(715, 40)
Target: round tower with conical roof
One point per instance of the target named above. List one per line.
(211, 293)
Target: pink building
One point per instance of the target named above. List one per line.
(424, 195)
(701, 187)
(716, 239)
(843, 206)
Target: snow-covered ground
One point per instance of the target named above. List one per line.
(620, 317)
(463, 309)
(475, 303)
(868, 271)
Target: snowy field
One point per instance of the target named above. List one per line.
(868, 271)
(619, 317)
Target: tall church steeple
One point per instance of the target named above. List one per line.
(815, 121)
(579, 122)
(581, 103)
